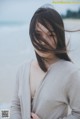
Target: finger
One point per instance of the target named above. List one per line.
(35, 116)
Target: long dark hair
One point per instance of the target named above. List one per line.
(50, 19)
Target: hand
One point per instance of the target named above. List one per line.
(34, 116)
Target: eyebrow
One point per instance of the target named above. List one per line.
(47, 33)
(42, 29)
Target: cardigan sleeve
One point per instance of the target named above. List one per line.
(74, 96)
(15, 109)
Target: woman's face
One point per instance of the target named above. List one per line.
(44, 32)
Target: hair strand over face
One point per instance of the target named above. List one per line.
(51, 20)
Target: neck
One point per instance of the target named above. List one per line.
(49, 62)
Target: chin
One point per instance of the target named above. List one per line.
(44, 55)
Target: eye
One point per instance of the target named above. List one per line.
(38, 34)
(50, 35)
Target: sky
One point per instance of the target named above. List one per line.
(22, 10)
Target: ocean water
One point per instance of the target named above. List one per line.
(16, 48)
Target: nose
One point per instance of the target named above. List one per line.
(44, 36)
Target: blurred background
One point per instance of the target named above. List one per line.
(15, 44)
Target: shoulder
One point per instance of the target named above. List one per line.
(70, 76)
(68, 71)
(70, 67)
(72, 73)
(23, 67)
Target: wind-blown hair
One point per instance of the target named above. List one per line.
(50, 19)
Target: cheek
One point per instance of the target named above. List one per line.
(52, 41)
(42, 54)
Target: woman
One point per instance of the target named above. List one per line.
(47, 86)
